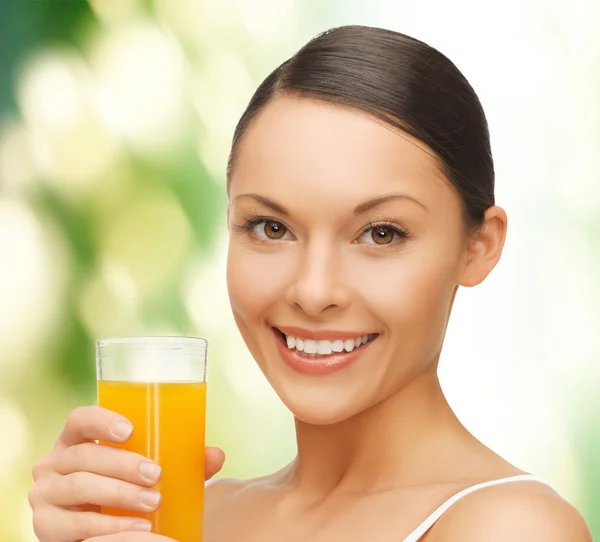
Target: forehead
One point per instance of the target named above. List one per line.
(298, 147)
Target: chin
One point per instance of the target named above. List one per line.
(321, 417)
(320, 405)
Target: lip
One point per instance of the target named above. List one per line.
(323, 335)
(318, 366)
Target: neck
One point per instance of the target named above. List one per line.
(400, 441)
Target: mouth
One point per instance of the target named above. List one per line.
(323, 349)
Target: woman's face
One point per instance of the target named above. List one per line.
(340, 228)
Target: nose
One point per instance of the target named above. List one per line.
(318, 287)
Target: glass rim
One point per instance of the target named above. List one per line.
(152, 340)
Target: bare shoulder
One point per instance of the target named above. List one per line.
(218, 490)
(525, 511)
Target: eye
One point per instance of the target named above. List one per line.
(382, 234)
(269, 229)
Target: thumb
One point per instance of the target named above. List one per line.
(215, 457)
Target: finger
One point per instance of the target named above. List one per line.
(53, 523)
(86, 488)
(130, 537)
(41, 467)
(107, 461)
(89, 423)
(215, 457)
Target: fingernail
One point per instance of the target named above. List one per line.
(150, 471)
(149, 497)
(121, 429)
(142, 526)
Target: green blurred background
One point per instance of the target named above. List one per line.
(115, 123)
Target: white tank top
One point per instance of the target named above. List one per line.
(420, 531)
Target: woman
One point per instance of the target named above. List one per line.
(361, 196)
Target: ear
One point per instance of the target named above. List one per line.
(484, 247)
(228, 216)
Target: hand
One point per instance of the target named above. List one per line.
(78, 476)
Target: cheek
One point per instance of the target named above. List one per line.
(425, 308)
(255, 280)
(411, 296)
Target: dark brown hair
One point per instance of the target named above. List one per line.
(403, 82)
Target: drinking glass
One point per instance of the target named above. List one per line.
(159, 384)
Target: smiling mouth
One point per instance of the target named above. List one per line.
(310, 348)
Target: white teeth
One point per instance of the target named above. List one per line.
(310, 347)
(324, 347)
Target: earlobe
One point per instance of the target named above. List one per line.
(484, 248)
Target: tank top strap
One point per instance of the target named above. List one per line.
(439, 512)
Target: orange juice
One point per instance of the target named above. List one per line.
(169, 423)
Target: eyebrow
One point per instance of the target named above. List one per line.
(368, 205)
(266, 202)
(360, 209)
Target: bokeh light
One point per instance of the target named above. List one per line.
(32, 282)
(141, 72)
(59, 110)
